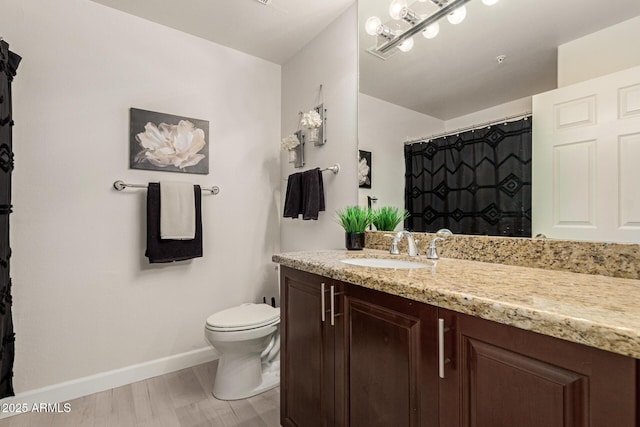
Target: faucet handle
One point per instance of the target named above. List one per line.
(432, 253)
(393, 250)
(444, 232)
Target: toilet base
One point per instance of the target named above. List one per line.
(270, 379)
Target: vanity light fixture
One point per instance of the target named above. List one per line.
(408, 21)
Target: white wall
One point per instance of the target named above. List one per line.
(613, 49)
(86, 299)
(331, 60)
(491, 114)
(382, 129)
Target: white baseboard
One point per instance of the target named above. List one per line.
(104, 381)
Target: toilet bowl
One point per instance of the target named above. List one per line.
(248, 340)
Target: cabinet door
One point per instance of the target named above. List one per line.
(390, 360)
(307, 351)
(501, 376)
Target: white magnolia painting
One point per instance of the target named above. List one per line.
(165, 142)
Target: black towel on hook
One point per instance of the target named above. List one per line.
(312, 194)
(159, 250)
(293, 199)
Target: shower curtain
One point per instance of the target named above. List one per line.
(476, 182)
(8, 65)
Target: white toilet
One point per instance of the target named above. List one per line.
(248, 340)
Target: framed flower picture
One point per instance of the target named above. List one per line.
(165, 142)
(364, 169)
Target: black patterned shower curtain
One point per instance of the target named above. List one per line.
(8, 65)
(476, 182)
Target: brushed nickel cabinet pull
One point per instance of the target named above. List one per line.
(441, 348)
(322, 308)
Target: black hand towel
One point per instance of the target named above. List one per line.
(293, 199)
(312, 194)
(159, 250)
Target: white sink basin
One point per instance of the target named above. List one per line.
(384, 263)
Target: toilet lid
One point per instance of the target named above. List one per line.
(246, 316)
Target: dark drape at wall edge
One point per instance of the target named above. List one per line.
(476, 182)
(8, 65)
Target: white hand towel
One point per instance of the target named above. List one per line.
(177, 211)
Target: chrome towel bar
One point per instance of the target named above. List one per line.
(335, 168)
(120, 185)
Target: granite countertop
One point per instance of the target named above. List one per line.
(598, 311)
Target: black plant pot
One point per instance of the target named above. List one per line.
(354, 241)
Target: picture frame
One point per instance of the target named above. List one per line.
(364, 169)
(167, 142)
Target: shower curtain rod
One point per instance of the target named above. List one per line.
(467, 128)
(120, 185)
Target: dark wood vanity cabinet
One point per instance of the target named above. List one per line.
(308, 350)
(378, 364)
(500, 376)
(367, 369)
(390, 360)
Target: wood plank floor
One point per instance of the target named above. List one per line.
(177, 399)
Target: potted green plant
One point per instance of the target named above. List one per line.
(387, 218)
(354, 220)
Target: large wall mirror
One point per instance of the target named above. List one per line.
(476, 80)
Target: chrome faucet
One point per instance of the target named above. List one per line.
(412, 244)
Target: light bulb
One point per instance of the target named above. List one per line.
(431, 31)
(458, 15)
(490, 2)
(372, 24)
(406, 45)
(396, 7)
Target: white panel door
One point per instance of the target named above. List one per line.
(586, 160)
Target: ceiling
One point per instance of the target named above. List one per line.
(449, 76)
(456, 73)
(274, 32)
